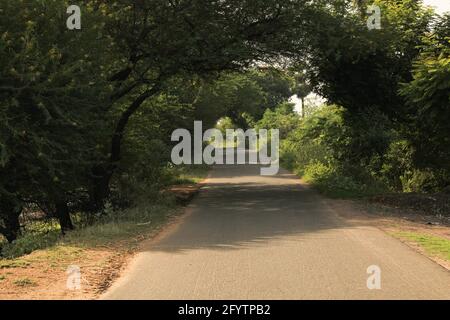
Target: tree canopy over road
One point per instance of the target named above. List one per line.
(86, 115)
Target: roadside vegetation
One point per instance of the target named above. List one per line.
(112, 225)
(35, 264)
(433, 245)
(386, 134)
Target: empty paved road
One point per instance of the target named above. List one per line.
(253, 237)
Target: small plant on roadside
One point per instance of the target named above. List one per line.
(25, 282)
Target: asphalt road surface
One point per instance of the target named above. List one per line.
(248, 236)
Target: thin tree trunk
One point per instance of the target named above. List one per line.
(104, 172)
(100, 187)
(10, 212)
(63, 215)
(303, 107)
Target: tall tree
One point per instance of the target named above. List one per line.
(51, 93)
(428, 101)
(302, 89)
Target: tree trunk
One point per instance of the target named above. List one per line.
(103, 173)
(303, 107)
(10, 212)
(63, 215)
(100, 187)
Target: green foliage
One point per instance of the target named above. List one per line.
(29, 243)
(144, 169)
(242, 97)
(320, 151)
(424, 180)
(51, 95)
(38, 235)
(282, 118)
(428, 97)
(277, 86)
(225, 123)
(335, 183)
(361, 69)
(393, 85)
(365, 158)
(397, 165)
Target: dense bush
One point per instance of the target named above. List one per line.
(282, 118)
(428, 100)
(321, 150)
(354, 159)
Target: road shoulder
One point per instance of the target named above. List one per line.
(427, 235)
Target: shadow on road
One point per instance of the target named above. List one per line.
(239, 208)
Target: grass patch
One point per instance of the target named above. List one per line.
(17, 263)
(123, 225)
(25, 282)
(433, 245)
(189, 174)
(2, 277)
